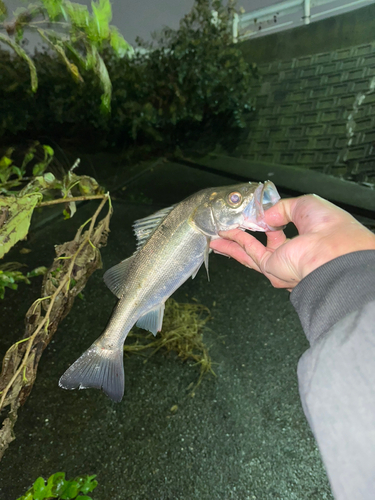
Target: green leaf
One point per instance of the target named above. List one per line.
(66, 214)
(71, 490)
(95, 62)
(76, 54)
(19, 34)
(105, 82)
(61, 52)
(28, 495)
(21, 53)
(49, 178)
(17, 171)
(37, 272)
(119, 45)
(90, 62)
(5, 161)
(88, 186)
(3, 10)
(39, 168)
(89, 484)
(16, 226)
(54, 8)
(57, 486)
(58, 482)
(27, 159)
(39, 487)
(48, 150)
(102, 15)
(78, 14)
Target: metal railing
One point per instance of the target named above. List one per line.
(288, 14)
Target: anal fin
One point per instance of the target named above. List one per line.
(153, 320)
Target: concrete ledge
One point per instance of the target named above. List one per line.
(289, 177)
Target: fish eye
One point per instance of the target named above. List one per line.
(235, 199)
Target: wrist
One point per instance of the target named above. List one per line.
(333, 290)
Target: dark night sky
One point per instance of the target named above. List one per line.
(142, 17)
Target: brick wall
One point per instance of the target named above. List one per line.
(318, 112)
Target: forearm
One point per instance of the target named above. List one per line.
(336, 305)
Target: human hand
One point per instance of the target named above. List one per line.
(325, 232)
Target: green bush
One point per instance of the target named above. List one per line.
(77, 41)
(59, 488)
(187, 82)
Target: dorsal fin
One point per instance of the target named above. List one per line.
(115, 276)
(143, 228)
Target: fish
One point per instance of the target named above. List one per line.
(172, 245)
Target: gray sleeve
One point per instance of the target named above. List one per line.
(336, 306)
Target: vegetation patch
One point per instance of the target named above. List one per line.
(23, 187)
(182, 333)
(60, 488)
(188, 82)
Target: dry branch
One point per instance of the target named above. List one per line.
(75, 261)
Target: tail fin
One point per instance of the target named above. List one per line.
(98, 368)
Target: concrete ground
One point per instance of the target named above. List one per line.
(243, 436)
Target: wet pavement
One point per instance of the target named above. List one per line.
(243, 436)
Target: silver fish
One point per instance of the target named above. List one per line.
(172, 245)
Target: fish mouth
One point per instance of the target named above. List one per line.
(265, 197)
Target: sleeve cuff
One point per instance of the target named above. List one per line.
(334, 290)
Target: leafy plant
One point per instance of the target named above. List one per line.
(77, 38)
(182, 333)
(62, 489)
(25, 186)
(21, 194)
(194, 77)
(10, 276)
(9, 170)
(190, 84)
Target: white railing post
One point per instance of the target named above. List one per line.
(294, 12)
(235, 22)
(307, 9)
(214, 17)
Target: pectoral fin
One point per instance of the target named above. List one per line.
(195, 272)
(206, 254)
(115, 277)
(153, 320)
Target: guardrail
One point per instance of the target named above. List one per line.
(293, 178)
(288, 14)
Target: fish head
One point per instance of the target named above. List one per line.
(239, 206)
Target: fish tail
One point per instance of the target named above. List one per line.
(97, 368)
